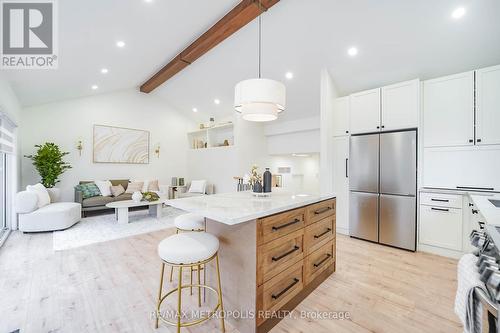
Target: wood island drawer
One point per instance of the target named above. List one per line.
(278, 225)
(279, 254)
(275, 293)
(441, 199)
(318, 261)
(319, 211)
(318, 234)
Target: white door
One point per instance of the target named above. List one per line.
(400, 105)
(341, 182)
(449, 111)
(365, 111)
(341, 116)
(488, 106)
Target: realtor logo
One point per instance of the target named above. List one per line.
(28, 34)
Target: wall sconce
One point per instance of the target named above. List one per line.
(79, 146)
(157, 150)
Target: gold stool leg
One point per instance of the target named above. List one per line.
(199, 288)
(172, 267)
(179, 299)
(159, 295)
(220, 295)
(191, 288)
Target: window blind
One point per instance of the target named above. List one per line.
(6, 134)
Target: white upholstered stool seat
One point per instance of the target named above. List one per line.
(188, 248)
(190, 222)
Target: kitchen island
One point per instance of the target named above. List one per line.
(274, 251)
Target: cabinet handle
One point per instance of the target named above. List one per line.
(285, 225)
(475, 188)
(278, 295)
(471, 204)
(346, 132)
(378, 127)
(475, 211)
(323, 233)
(440, 200)
(295, 248)
(478, 140)
(471, 141)
(383, 126)
(346, 167)
(323, 260)
(441, 209)
(481, 225)
(323, 210)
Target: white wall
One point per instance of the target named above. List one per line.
(328, 95)
(294, 136)
(65, 122)
(304, 175)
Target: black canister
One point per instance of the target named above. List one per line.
(268, 179)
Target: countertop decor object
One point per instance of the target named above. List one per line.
(268, 179)
(150, 196)
(259, 99)
(137, 196)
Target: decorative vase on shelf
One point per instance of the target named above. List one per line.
(137, 196)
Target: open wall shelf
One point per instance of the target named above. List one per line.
(218, 136)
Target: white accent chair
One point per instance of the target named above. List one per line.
(54, 216)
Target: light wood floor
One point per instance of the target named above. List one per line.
(112, 286)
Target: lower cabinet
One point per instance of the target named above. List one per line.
(441, 224)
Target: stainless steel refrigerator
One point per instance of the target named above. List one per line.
(383, 184)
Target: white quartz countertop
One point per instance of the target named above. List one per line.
(239, 207)
(490, 213)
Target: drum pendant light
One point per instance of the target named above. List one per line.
(259, 99)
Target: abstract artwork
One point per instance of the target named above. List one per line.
(120, 145)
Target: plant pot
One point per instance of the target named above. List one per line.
(137, 196)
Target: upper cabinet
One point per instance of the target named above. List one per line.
(388, 108)
(365, 111)
(488, 106)
(400, 105)
(449, 111)
(341, 116)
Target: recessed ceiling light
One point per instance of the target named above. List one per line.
(148, 1)
(217, 101)
(94, 87)
(104, 71)
(195, 110)
(120, 43)
(289, 75)
(458, 13)
(352, 51)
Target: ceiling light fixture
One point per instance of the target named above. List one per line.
(195, 110)
(94, 87)
(289, 75)
(458, 13)
(352, 51)
(104, 71)
(259, 99)
(217, 101)
(120, 44)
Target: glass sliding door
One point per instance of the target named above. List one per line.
(3, 194)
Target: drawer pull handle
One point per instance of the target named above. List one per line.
(278, 295)
(441, 209)
(481, 225)
(322, 210)
(286, 225)
(295, 248)
(440, 200)
(323, 260)
(475, 211)
(323, 233)
(475, 188)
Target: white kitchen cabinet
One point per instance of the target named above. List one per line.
(441, 227)
(341, 116)
(341, 182)
(400, 105)
(488, 106)
(365, 111)
(449, 111)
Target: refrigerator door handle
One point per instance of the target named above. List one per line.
(346, 168)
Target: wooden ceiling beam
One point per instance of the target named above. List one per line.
(245, 12)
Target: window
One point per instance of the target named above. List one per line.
(8, 174)
(3, 194)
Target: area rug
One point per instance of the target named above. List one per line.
(102, 228)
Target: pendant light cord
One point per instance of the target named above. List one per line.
(260, 36)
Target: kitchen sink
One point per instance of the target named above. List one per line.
(495, 203)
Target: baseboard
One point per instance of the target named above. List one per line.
(439, 251)
(343, 231)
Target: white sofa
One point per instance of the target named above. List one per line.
(54, 216)
(209, 189)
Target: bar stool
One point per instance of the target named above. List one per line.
(189, 222)
(187, 250)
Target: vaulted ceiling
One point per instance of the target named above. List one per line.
(397, 40)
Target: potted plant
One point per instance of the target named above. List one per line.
(48, 161)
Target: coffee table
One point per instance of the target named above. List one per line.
(121, 208)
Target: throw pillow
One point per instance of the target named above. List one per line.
(117, 190)
(153, 185)
(134, 187)
(41, 193)
(88, 190)
(104, 187)
(198, 186)
(144, 184)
